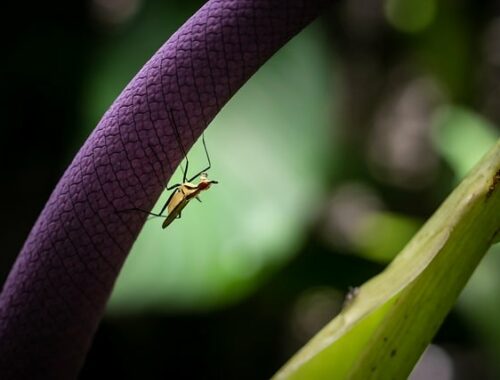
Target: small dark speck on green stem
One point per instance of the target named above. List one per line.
(496, 180)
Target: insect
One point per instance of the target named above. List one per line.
(186, 191)
(183, 192)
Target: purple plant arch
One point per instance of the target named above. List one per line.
(56, 292)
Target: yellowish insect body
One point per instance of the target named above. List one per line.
(182, 192)
(181, 196)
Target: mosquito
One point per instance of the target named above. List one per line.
(184, 192)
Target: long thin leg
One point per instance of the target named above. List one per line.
(168, 201)
(158, 158)
(177, 185)
(160, 214)
(208, 158)
(144, 211)
(173, 186)
(179, 141)
(185, 170)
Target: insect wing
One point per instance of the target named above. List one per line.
(177, 201)
(174, 214)
(177, 197)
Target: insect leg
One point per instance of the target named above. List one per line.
(168, 201)
(179, 141)
(173, 186)
(142, 210)
(158, 158)
(208, 159)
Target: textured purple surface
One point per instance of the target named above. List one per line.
(56, 292)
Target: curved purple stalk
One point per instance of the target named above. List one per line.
(56, 292)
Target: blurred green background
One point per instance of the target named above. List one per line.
(328, 161)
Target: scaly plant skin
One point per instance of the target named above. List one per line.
(56, 292)
(384, 330)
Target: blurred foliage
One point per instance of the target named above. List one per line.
(388, 322)
(462, 137)
(366, 120)
(382, 235)
(410, 15)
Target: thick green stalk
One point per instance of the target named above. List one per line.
(384, 330)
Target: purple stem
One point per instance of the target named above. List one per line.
(56, 292)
